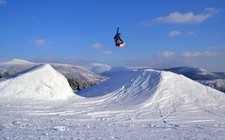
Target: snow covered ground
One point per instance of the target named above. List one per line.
(132, 104)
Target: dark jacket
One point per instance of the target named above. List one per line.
(117, 38)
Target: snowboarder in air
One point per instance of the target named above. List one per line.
(118, 41)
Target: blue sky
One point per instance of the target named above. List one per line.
(158, 33)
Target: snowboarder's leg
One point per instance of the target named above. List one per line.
(117, 42)
(121, 41)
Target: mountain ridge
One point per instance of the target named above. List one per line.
(195, 73)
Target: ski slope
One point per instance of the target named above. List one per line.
(133, 104)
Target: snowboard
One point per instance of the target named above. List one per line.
(122, 45)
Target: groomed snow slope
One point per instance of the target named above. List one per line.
(40, 82)
(146, 87)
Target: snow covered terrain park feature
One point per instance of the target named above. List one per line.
(134, 103)
(40, 82)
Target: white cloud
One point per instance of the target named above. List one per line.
(166, 54)
(190, 33)
(42, 42)
(145, 23)
(190, 17)
(97, 46)
(174, 33)
(206, 53)
(210, 52)
(191, 54)
(2, 2)
(213, 53)
(107, 52)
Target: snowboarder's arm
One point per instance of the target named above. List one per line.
(121, 40)
(117, 31)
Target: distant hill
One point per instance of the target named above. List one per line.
(221, 73)
(15, 66)
(195, 73)
(215, 80)
(98, 67)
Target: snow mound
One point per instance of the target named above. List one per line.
(41, 82)
(151, 88)
(178, 91)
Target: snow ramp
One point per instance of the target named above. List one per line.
(150, 88)
(41, 82)
(125, 87)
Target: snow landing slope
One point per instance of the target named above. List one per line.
(149, 88)
(39, 82)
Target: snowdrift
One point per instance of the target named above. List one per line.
(151, 88)
(40, 82)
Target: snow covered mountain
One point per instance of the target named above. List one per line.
(15, 65)
(221, 73)
(39, 82)
(71, 71)
(212, 79)
(218, 84)
(195, 73)
(18, 62)
(98, 68)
